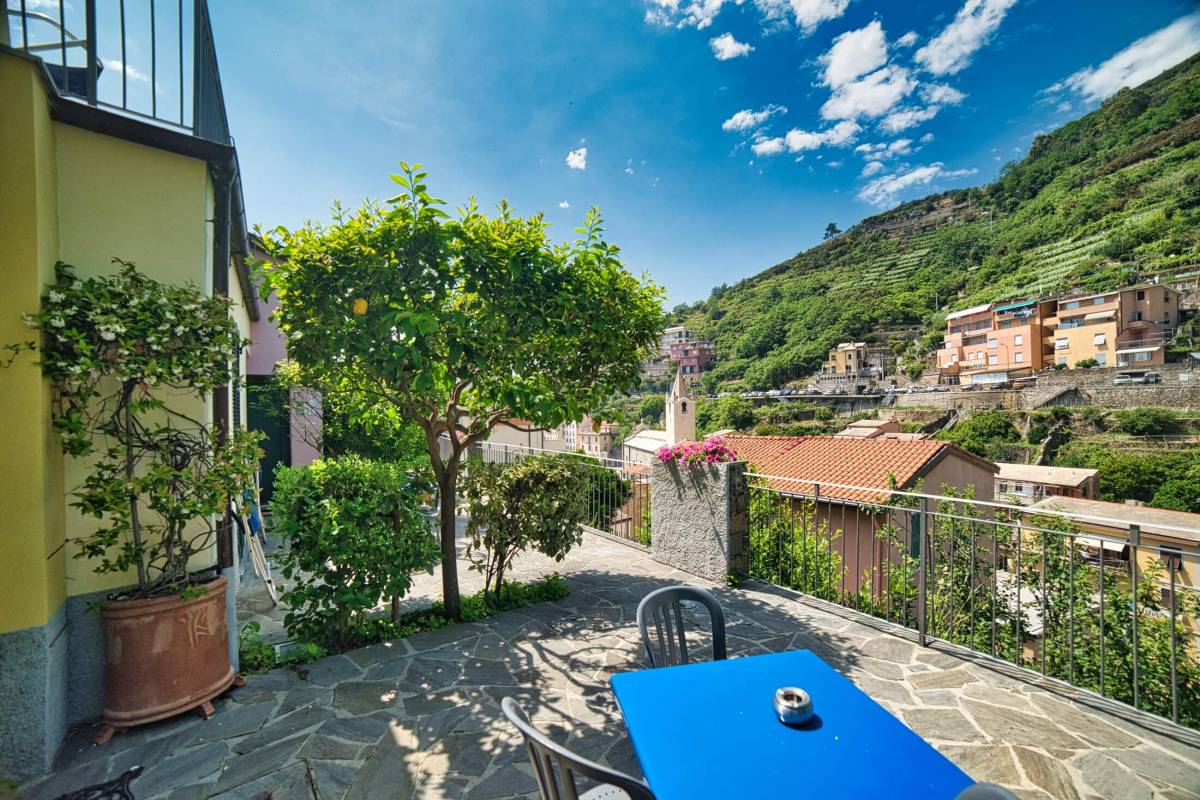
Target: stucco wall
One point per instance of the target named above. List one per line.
(701, 518)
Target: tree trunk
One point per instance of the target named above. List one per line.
(448, 489)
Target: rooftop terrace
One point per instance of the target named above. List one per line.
(420, 717)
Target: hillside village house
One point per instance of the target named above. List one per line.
(83, 181)
(1162, 537)
(994, 344)
(1024, 484)
(818, 468)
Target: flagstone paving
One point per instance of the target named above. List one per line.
(420, 717)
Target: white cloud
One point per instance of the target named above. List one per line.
(132, 73)
(835, 164)
(746, 119)
(629, 166)
(855, 53)
(951, 50)
(1138, 62)
(926, 138)
(564, 204)
(884, 150)
(871, 96)
(577, 159)
(904, 118)
(908, 39)
(725, 47)
(886, 189)
(697, 13)
(942, 94)
(796, 140)
(768, 147)
(1064, 107)
(871, 168)
(805, 14)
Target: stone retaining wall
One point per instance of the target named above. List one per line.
(701, 518)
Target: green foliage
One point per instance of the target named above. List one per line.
(1145, 421)
(460, 323)
(1086, 363)
(790, 547)
(1179, 494)
(981, 431)
(1101, 202)
(256, 656)
(1038, 431)
(354, 533)
(1131, 475)
(115, 347)
(733, 413)
(651, 409)
(537, 503)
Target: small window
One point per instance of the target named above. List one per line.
(1171, 557)
(1019, 339)
(1101, 359)
(1166, 297)
(683, 407)
(1141, 295)
(1061, 344)
(1071, 305)
(993, 360)
(992, 344)
(1137, 316)
(1061, 360)
(1166, 318)
(1141, 356)
(1019, 358)
(1098, 338)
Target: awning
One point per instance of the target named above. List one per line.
(1112, 547)
(1139, 349)
(1110, 314)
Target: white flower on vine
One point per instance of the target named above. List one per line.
(58, 322)
(107, 335)
(55, 297)
(179, 329)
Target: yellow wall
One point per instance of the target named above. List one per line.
(83, 198)
(31, 485)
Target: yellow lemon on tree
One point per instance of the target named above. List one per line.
(360, 306)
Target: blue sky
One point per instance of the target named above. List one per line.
(633, 105)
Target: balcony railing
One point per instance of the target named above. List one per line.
(618, 492)
(1100, 611)
(150, 59)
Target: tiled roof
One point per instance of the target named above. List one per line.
(1161, 521)
(838, 460)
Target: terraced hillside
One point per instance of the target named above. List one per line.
(1109, 199)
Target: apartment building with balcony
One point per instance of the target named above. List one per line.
(692, 357)
(994, 344)
(1123, 328)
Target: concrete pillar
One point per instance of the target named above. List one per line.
(701, 517)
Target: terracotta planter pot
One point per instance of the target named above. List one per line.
(164, 656)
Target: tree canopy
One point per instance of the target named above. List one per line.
(460, 322)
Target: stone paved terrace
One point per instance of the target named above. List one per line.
(419, 718)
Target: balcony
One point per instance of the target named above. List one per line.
(154, 62)
(421, 717)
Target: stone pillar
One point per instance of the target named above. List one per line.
(701, 518)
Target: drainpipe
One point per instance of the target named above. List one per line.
(226, 547)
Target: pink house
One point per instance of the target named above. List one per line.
(293, 429)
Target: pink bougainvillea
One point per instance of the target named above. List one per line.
(712, 450)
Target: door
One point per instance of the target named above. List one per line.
(267, 412)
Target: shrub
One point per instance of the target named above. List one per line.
(538, 503)
(980, 431)
(1059, 366)
(823, 414)
(712, 450)
(355, 533)
(1145, 421)
(1086, 363)
(605, 490)
(1180, 494)
(1038, 432)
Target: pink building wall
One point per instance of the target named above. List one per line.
(268, 347)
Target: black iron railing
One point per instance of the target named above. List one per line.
(150, 59)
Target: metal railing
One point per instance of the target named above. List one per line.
(150, 59)
(618, 492)
(1095, 602)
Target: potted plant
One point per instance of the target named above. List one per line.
(131, 361)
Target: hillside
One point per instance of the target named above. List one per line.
(1106, 200)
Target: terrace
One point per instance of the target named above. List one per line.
(420, 717)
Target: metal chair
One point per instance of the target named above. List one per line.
(662, 607)
(985, 791)
(555, 767)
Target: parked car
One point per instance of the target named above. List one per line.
(1136, 377)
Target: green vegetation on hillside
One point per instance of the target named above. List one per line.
(1104, 201)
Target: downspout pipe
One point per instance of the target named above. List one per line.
(223, 180)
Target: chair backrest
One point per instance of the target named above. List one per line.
(555, 767)
(661, 609)
(985, 791)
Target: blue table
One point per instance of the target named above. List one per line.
(709, 730)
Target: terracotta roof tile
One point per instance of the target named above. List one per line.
(837, 460)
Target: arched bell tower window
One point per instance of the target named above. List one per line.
(683, 407)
